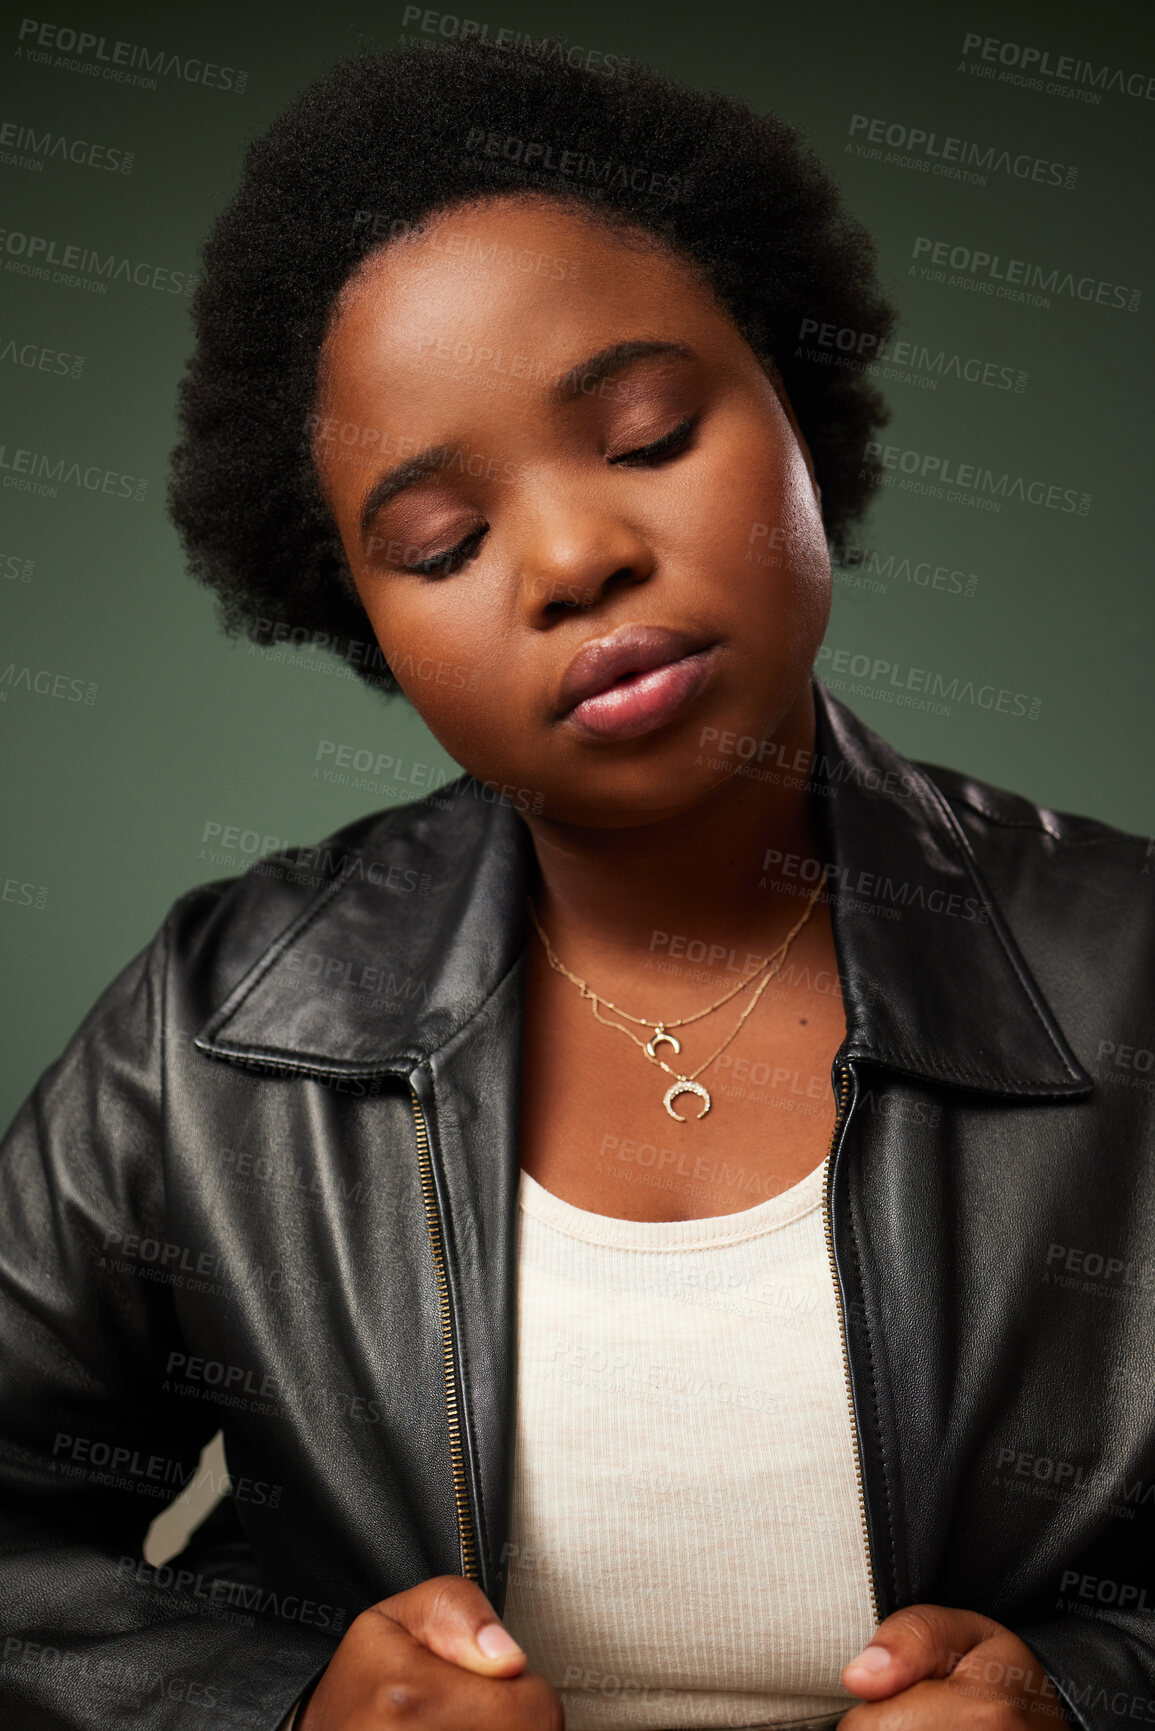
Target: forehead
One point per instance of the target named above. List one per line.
(523, 271)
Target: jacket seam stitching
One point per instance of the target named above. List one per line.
(909, 1058)
(282, 1058)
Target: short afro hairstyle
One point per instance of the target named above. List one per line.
(385, 140)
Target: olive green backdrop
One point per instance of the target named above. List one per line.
(136, 736)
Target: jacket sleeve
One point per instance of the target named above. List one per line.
(91, 1449)
(1103, 1666)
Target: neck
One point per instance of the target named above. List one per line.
(702, 875)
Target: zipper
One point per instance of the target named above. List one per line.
(828, 1223)
(465, 1532)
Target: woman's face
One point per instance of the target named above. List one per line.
(573, 439)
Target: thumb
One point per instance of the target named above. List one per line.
(916, 1643)
(453, 1619)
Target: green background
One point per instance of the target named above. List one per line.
(105, 806)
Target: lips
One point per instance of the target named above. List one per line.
(632, 680)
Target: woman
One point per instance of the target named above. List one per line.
(352, 1117)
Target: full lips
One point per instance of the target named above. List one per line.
(643, 702)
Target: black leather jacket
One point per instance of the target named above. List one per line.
(271, 1185)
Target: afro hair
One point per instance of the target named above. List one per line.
(384, 140)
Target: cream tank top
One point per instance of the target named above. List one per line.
(686, 1543)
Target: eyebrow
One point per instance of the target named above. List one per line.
(575, 382)
(615, 359)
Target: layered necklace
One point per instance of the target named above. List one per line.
(661, 1035)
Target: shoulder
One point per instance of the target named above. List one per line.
(1077, 867)
(989, 811)
(376, 865)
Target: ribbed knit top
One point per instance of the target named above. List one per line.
(686, 1546)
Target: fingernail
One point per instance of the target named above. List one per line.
(872, 1660)
(496, 1642)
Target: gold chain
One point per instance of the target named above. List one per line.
(647, 1021)
(683, 1083)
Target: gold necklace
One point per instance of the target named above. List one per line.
(681, 1084)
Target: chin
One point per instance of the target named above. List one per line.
(642, 798)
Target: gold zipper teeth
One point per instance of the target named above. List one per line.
(456, 1448)
(466, 1539)
(828, 1222)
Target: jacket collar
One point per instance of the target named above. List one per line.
(942, 991)
(419, 925)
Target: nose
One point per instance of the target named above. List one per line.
(573, 555)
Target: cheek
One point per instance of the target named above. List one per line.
(761, 534)
(776, 549)
(755, 502)
(449, 666)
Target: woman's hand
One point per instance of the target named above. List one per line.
(434, 1658)
(929, 1668)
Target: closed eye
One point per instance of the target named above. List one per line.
(646, 456)
(445, 564)
(669, 445)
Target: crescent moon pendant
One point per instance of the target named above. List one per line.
(656, 1040)
(685, 1087)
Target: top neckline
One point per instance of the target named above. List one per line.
(664, 1235)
